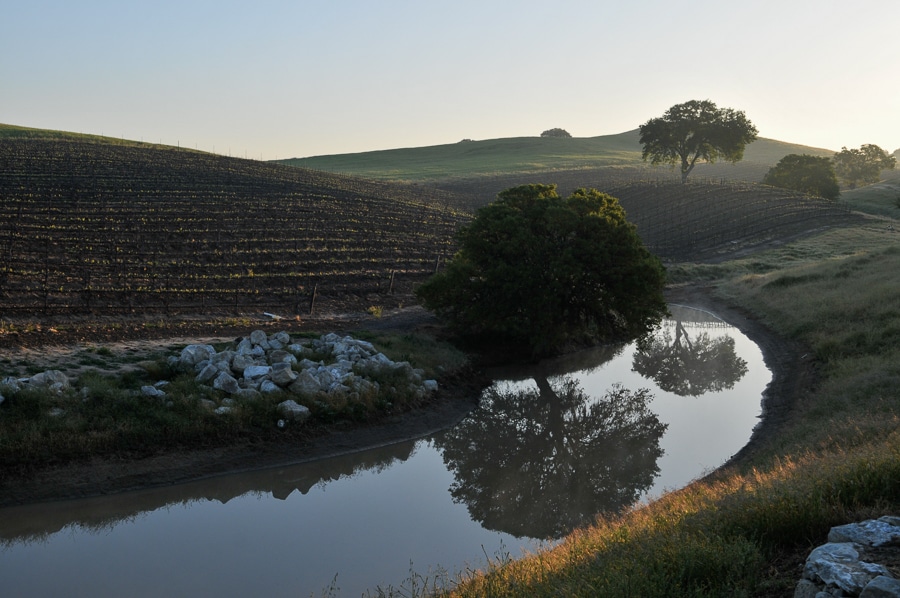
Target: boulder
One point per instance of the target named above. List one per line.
(282, 337)
(268, 387)
(259, 338)
(256, 372)
(226, 382)
(881, 587)
(194, 354)
(207, 374)
(282, 374)
(222, 361)
(281, 355)
(291, 410)
(241, 362)
(53, 379)
(837, 564)
(10, 384)
(874, 532)
(306, 384)
(152, 392)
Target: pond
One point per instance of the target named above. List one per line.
(548, 448)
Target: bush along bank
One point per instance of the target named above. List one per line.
(257, 388)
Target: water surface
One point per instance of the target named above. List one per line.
(525, 467)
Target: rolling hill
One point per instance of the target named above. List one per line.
(467, 159)
(91, 225)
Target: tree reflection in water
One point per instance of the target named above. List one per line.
(539, 462)
(688, 367)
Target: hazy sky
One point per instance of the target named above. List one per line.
(276, 79)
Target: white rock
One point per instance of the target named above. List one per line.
(258, 337)
(51, 379)
(207, 374)
(268, 387)
(255, 372)
(306, 384)
(10, 384)
(290, 409)
(152, 392)
(838, 564)
(194, 354)
(282, 374)
(430, 385)
(881, 587)
(241, 362)
(874, 533)
(283, 337)
(222, 410)
(226, 382)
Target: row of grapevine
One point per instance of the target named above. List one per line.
(96, 228)
(704, 218)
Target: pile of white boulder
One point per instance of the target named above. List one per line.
(53, 380)
(345, 372)
(271, 363)
(848, 564)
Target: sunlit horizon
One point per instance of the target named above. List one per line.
(279, 79)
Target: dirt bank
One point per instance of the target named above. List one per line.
(791, 375)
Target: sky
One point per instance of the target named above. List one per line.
(273, 79)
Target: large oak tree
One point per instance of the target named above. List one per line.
(696, 131)
(536, 269)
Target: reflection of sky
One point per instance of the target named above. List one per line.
(367, 527)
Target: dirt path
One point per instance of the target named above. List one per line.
(791, 375)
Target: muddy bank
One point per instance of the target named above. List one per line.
(791, 376)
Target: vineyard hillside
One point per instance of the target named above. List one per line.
(88, 227)
(95, 228)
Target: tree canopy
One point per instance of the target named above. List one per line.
(538, 269)
(696, 131)
(557, 132)
(813, 175)
(863, 165)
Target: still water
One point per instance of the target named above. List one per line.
(548, 448)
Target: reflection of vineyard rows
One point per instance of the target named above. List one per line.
(699, 220)
(87, 227)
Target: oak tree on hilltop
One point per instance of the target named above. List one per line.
(540, 270)
(695, 131)
(557, 132)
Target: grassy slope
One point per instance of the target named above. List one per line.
(745, 530)
(13, 132)
(519, 154)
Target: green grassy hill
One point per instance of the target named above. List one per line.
(516, 155)
(16, 132)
